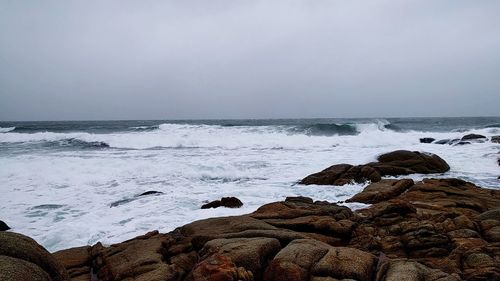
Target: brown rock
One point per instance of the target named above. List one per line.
(77, 261)
(139, 259)
(381, 191)
(404, 162)
(250, 254)
(20, 247)
(294, 262)
(400, 162)
(293, 209)
(21, 270)
(219, 268)
(228, 202)
(411, 271)
(435, 229)
(345, 263)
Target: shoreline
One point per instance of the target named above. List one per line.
(435, 229)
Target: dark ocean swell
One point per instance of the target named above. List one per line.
(326, 129)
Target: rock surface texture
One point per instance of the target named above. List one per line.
(436, 229)
(400, 162)
(21, 258)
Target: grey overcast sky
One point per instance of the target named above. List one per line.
(71, 60)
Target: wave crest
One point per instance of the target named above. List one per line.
(7, 129)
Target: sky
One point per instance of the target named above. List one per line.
(198, 59)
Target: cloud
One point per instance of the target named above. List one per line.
(248, 59)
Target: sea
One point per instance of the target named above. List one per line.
(74, 183)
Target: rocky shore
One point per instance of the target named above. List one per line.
(434, 229)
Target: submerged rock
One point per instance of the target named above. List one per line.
(473, 137)
(400, 162)
(3, 226)
(150, 192)
(228, 202)
(427, 140)
(128, 200)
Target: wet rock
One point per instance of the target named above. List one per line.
(150, 192)
(495, 139)
(444, 141)
(382, 190)
(473, 137)
(299, 199)
(22, 256)
(400, 162)
(228, 202)
(3, 226)
(131, 199)
(404, 162)
(427, 140)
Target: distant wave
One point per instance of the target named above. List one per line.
(145, 128)
(8, 129)
(325, 129)
(492, 126)
(333, 129)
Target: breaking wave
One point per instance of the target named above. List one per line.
(8, 129)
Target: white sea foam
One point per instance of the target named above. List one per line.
(62, 198)
(8, 129)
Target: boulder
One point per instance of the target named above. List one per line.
(495, 139)
(77, 261)
(473, 137)
(247, 255)
(400, 162)
(3, 226)
(21, 270)
(427, 140)
(397, 270)
(306, 259)
(381, 191)
(22, 256)
(404, 162)
(228, 202)
(444, 141)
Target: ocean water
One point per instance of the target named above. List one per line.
(69, 184)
